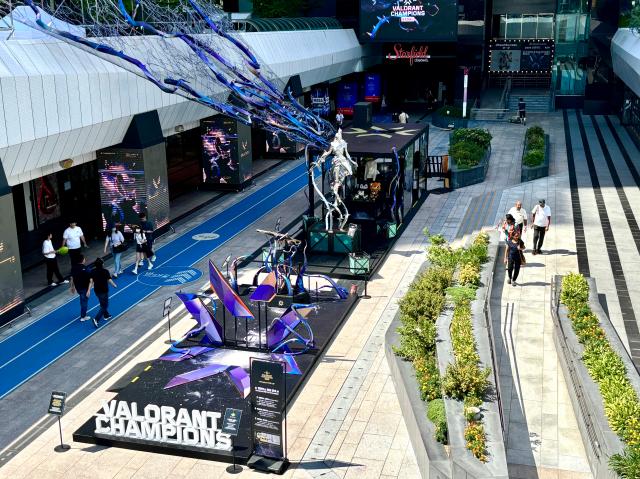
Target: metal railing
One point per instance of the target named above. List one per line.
(489, 322)
(489, 114)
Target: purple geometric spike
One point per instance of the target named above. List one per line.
(240, 380)
(291, 366)
(196, 374)
(279, 331)
(267, 290)
(202, 315)
(187, 354)
(227, 295)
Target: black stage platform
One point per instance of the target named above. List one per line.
(145, 383)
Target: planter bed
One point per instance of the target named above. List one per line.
(463, 463)
(470, 176)
(442, 121)
(599, 440)
(530, 173)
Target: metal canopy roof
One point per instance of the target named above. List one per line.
(286, 24)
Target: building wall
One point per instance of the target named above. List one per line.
(58, 102)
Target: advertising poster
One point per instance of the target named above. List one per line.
(11, 292)
(347, 97)
(157, 186)
(123, 188)
(226, 151)
(320, 102)
(521, 56)
(408, 20)
(279, 144)
(372, 87)
(47, 198)
(268, 403)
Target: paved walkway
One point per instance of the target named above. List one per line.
(336, 426)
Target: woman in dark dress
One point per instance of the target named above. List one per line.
(513, 257)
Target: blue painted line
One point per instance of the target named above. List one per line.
(33, 348)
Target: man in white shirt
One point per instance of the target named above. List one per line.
(73, 238)
(403, 117)
(541, 216)
(520, 215)
(339, 119)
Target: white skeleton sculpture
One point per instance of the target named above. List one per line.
(341, 169)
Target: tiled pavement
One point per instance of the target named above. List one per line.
(346, 421)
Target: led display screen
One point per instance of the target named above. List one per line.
(346, 97)
(408, 20)
(320, 101)
(372, 87)
(123, 189)
(11, 292)
(47, 198)
(155, 169)
(521, 56)
(226, 149)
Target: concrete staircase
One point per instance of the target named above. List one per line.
(538, 101)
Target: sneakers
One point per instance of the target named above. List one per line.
(51, 285)
(153, 258)
(106, 316)
(85, 318)
(141, 262)
(508, 281)
(115, 275)
(135, 270)
(65, 281)
(95, 322)
(150, 265)
(513, 283)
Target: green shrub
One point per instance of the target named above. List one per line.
(476, 440)
(469, 275)
(481, 239)
(534, 131)
(437, 415)
(443, 256)
(459, 294)
(627, 464)
(463, 380)
(466, 154)
(478, 136)
(462, 338)
(437, 240)
(575, 290)
(536, 143)
(428, 377)
(533, 157)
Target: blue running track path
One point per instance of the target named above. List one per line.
(33, 348)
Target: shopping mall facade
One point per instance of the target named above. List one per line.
(67, 114)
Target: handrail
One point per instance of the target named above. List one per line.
(506, 91)
(489, 322)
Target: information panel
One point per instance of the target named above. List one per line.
(11, 291)
(268, 403)
(521, 56)
(372, 87)
(408, 20)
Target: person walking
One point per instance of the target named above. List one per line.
(51, 260)
(508, 227)
(141, 241)
(339, 119)
(73, 238)
(541, 218)
(514, 258)
(80, 283)
(100, 279)
(115, 241)
(403, 117)
(147, 229)
(522, 111)
(520, 217)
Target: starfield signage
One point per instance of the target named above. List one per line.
(162, 424)
(409, 53)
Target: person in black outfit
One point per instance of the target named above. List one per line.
(522, 111)
(100, 278)
(80, 283)
(147, 229)
(513, 257)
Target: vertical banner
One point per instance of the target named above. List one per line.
(123, 188)
(47, 198)
(372, 87)
(268, 401)
(226, 148)
(157, 181)
(347, 97)
(320, 101)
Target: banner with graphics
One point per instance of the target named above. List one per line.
(226, 145)
(347, 96)
(521, 56)
(372, 87)
(408, 20)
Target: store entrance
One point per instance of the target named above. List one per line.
(184, 160)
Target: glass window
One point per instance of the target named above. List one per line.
(529, 26)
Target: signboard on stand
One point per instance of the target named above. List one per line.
(268, 402)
